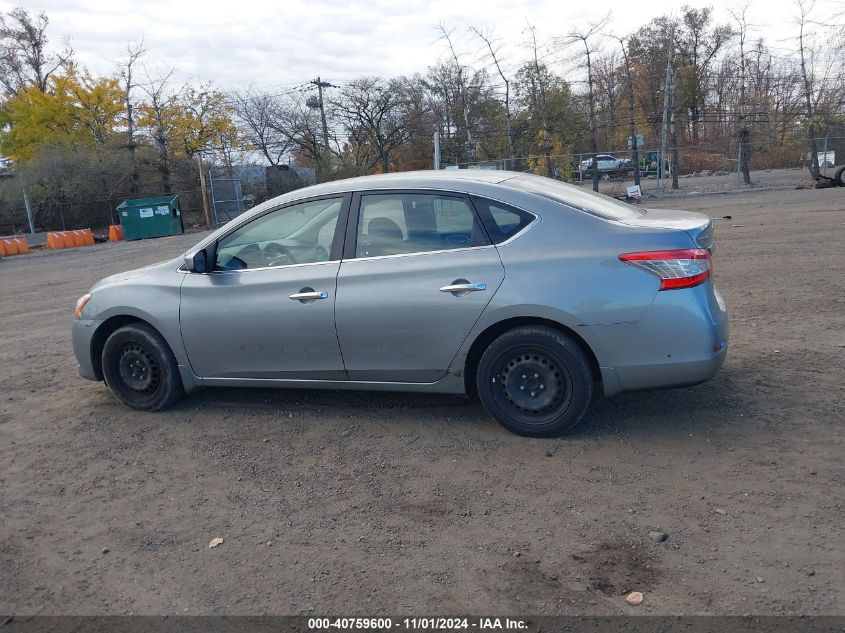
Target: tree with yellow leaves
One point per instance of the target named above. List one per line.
(184, 122)
(75, 109)
(560, 157)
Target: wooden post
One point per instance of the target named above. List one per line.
(204, 193)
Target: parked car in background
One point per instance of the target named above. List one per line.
(607, 164)
(527, 291)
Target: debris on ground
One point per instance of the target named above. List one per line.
(657, 536)
(634, 598)
(215, 542)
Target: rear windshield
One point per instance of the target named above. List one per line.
(575, 197)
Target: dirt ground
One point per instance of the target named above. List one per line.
(356, 503)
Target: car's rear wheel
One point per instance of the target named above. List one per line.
(535, 381)
(140, 369)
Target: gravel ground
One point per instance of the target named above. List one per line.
(356, 503)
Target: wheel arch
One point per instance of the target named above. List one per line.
(101, 335)
(492, 332)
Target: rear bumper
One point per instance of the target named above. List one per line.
(684, 374)
(682, 340)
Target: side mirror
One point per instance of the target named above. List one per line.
(197, 262)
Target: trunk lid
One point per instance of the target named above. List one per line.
(697, 225)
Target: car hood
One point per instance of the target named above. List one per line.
(138, 272)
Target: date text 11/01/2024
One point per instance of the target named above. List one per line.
(417, 623)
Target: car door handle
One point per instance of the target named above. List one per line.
(309, 296)
(464, 287)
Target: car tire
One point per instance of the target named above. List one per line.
(839, 177)
(535, 381)
(140, 369)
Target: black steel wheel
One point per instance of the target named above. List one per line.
(535, 381)
(140, 369)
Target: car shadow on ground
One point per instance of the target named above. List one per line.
(710, 405)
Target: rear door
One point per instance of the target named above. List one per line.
(418, 271)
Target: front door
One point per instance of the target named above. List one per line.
(266, 311)
(417, 273)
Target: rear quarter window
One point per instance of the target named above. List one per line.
(502, 221)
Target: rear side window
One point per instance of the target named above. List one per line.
(404, 223)
(502, 221)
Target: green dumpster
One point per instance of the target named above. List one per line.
(150, 217)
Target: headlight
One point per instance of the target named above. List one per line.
(81, 303)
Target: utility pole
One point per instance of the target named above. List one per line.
(326, 150)
(320, 85)
(661, 164)
(673, 137)
(437, 150)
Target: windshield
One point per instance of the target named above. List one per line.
(576, 197)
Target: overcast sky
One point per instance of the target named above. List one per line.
(283, 43)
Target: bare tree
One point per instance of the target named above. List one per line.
(632, 123)
(609, 85)
(822, 77)
(261, 119)
(446, 34)
(585, 38)
(134, 52)
(495, 55)
(539, 93)
(302, 126)
(740, 16)
(375, 110)
(158, 112)
(24, 58)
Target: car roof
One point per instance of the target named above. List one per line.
(436, 179)
(464, 180)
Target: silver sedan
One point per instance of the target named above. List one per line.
(528, 292)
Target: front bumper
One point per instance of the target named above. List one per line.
(82, 333)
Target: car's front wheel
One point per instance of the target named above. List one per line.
(535, 381)
(140, 369)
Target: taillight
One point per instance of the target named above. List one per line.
(676, 269)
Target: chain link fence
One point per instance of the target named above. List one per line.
(772, 164)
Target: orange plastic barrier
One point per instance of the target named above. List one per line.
(23, 246)
(70, 239)
(13, 246)
(56, 240)
(115, 233)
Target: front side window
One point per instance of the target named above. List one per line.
(402, 223)
(298, 234)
